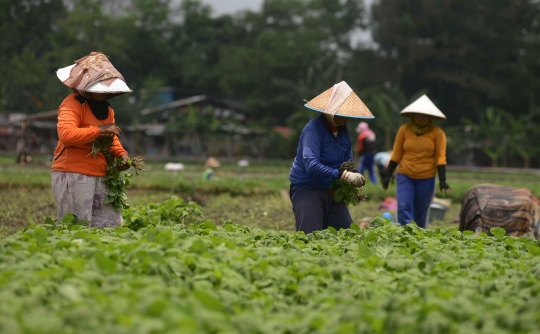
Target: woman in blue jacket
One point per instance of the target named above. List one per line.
(324, 145)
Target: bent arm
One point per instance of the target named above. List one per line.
(312, 159)
(117, 149)
(69, 131)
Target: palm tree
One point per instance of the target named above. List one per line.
(524, 136)
(385, 103)
(493, 131)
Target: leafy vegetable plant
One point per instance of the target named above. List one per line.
(346, 192)
(167, 268)
(116, 180)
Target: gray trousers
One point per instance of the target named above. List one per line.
(83, 196)
(314, 210)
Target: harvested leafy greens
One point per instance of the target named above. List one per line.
(344, 191)
(117, 181)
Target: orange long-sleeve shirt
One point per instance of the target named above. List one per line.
(77, 128)
(419, 156)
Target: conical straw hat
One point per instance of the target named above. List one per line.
(423, 106)
(212, 162)
(346, 105)
(93, 74)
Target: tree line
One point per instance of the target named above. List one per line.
(477, 60)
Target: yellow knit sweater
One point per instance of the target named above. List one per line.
(419, 156)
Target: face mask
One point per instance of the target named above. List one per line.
(100, 109)
(419, 128)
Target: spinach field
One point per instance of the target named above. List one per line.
(174, 272)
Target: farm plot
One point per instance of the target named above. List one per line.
(197, 277)
(248, 196)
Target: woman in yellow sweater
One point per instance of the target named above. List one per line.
(420, 151)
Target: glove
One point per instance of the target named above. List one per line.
(388, 174)
(356, 179)
(443, 186)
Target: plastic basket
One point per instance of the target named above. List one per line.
(436, 212)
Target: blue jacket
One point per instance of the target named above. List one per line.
(320, 154)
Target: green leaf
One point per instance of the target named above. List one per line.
(198, 246)
(165, 237)
(364, 251)
(104, 263)
(68, 219)
(108, 200)
(70, 292)
(208, 225)
(498, 232)
(208, 301)
(338, 196)
(150, 235)
(40, 234)
(533, 250)
(84, 222)
(421, 265)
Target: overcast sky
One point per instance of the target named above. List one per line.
(232, 6)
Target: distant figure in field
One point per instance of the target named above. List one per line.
(83, 116)
(366, 150)
(323, 146)
(381, 160)
(23, 158)
(420, 151)
(211, 164)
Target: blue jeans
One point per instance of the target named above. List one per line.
(414, 197)
(314, 210)
(367, 163)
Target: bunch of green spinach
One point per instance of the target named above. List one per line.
(344, 191)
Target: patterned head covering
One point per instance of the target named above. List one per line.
(93, 74)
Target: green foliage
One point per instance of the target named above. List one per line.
(385, 103)
(453, 59)
(498, 232)
(171, 212)
(237, 279)
(344, 191)
(101, 144)
(286, 52)
(117, 181)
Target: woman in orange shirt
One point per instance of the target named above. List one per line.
(420, 151)
(83, 116)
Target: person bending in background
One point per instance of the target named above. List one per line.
(210, 166)
(366, 150)
(420, 151)
(381, 160)
(323, 146)
(83, 116)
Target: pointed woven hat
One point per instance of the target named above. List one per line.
(423, 105)
(93, 74)
(212, 162)
(340, 100)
